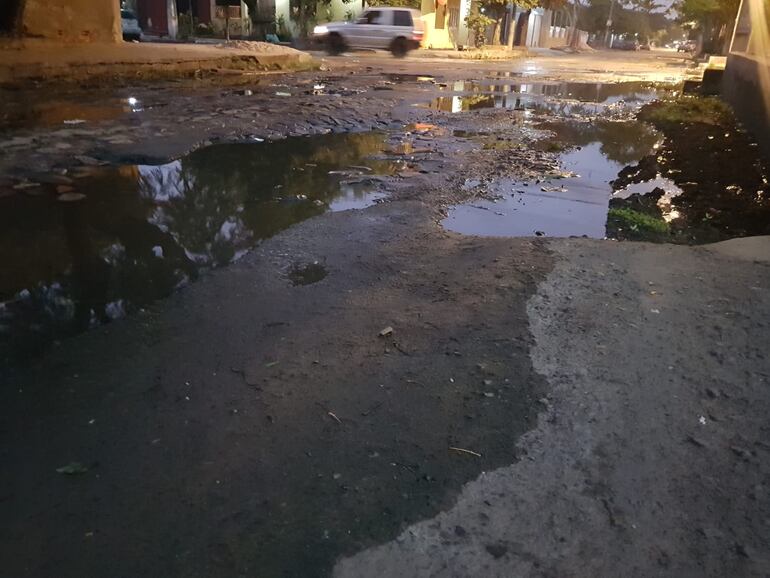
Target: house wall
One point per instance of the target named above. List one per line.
(553, 30)
(746, 80)
(203, 11)
(238, 26)
(153, 16)
(72, 20)
(455, 31)
(534, 27)
(435, 22)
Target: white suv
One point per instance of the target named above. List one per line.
(396, 29)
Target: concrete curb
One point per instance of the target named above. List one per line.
(152, 62)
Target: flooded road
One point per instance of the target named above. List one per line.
(615, 176)
(579, 99)
(78, 251)
(575, 203)
(336, 376)
(90, 244)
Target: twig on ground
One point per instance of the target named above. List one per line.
(464, 451)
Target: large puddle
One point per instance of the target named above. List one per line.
(593, 124)
(576, 201)
(19, 113)
(563, 99)
(83, 250)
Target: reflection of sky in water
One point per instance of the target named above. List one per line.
(564, 98)
(561, 207)
(581, 210)
(669, 188)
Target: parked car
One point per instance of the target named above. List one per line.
(688, 46)
(626, 44)
(396, 29)
(130, 25)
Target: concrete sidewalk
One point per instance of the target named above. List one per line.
(485, 53)
(22, 61)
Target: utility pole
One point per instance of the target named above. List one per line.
(609, 24)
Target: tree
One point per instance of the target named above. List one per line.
(646, 8)
(497, 9)
(712, 19)
(397, 3)
(301, 12)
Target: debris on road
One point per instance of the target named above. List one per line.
(72, 469)
(464, 451)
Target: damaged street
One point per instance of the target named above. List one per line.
(384, 317)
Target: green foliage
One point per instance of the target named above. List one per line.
(496, 9)
(187, 25)
(645, 9)
(640, 17)
(398, 3)
(701, 11)
(281, 29)
(633, 224)
(478, 24)
(688, 109)
(496, 6)
(712, 18)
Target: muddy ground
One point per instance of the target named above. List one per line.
(352, 393)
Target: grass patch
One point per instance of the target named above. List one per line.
(687, 109)
(629, 224)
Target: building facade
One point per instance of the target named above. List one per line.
(746, 80)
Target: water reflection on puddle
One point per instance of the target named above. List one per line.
(561, 207)
(563, 98)
(142, 231)
(19, 113)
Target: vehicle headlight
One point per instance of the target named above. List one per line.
(320, 30)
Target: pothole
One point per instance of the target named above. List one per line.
(307, 273)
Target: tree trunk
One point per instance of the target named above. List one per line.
(511, 28)
(574, 34)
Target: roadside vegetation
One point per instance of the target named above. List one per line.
(628, 224)
(713, 160)
(709, 110)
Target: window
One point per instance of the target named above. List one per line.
(372, 17)
(402, 18)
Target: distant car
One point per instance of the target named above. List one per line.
(645, 46)
(626, 44)
(686, 47)
(130, 25)
(396, 29)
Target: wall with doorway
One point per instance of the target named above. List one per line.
(10, 12)
(435, 21)
(71, 20)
